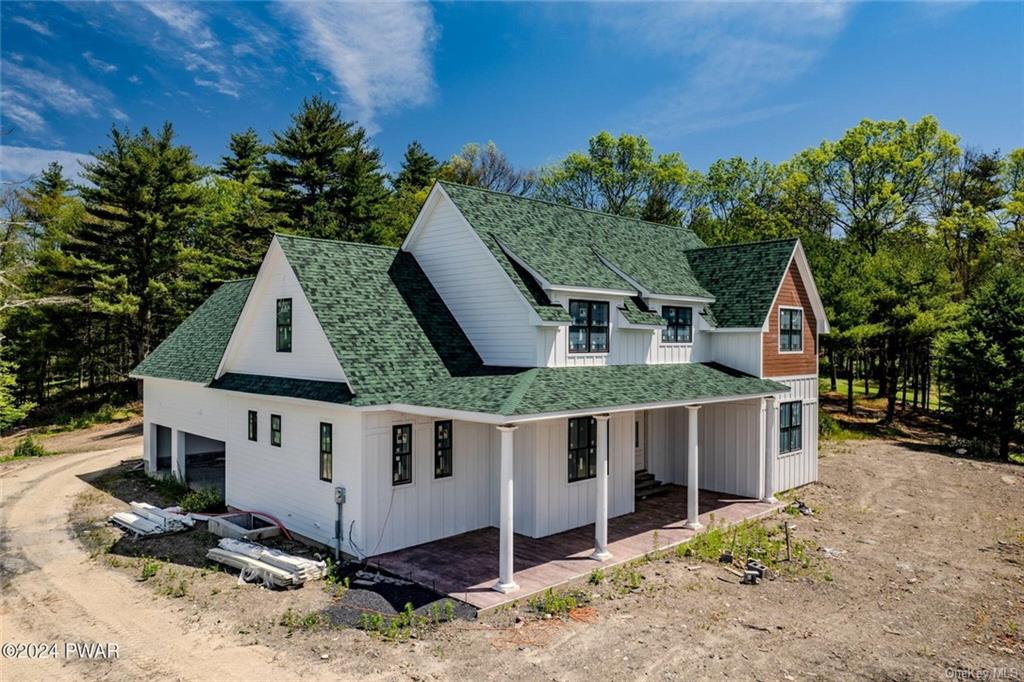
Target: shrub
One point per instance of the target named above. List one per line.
(29, 447)
(204, 499)
(828, 427)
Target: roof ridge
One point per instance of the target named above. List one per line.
(486, 190)
(337, 241)
(757, 243)
(512, 399)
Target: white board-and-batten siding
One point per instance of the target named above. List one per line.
(794, 469)
(253, 346)
(729, 450)
(484, 301)
(283, 481)
(739, 350)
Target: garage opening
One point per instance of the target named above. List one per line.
(204, 462)
(162, 444)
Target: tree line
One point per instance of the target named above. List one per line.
(917, 243)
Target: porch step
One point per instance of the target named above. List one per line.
(647, 486)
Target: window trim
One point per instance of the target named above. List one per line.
(328, 454)
(798, 427)
(571, 469)
(450, 449)
(277, 320)
(800, 336)
(277, 431)
(590, 327)
(253, 426)
(395, 428)
(677, 308)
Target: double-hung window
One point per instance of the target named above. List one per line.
(442, 449)
(791, 333)
(253, 426)
(275, 430)
(790, 432)
(326, 451)
(588, 332)
(678, 324)
(582, 448)
(284, 325)
(401, 459)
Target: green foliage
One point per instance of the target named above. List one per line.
(29, 447)
(983, 361)
(150, 567)
(12, 410)
(747, 540)
(596, 576)
(554, 603)
(828, 427)
(404, 624)
(204, 499)
(487, 166)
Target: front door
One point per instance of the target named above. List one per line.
(640, 440)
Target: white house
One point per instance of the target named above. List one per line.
(512, 365)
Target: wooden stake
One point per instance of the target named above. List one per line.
(789, 551)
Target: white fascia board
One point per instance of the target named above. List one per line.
(671, 298)
(592, 291)
(544, 284)
(736, 330)
(290, 400)
(433, 198)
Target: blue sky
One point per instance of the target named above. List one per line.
(706, 80)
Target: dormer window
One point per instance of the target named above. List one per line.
(678, 324)
(791, 330)
(588, 332)
(284, 325)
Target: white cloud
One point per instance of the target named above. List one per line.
(379, 54)
(133, 79)
(221, 85)
(98, 64)
(38, 26)
(730, 56)
(185, 20)
(20, 163)
(27, 83)
(119, 115)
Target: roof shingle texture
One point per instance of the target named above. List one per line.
(743, 277)
(194, 350)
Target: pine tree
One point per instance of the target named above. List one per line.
(418, 169)
(328, 179)
(248, 156)
(142, 209)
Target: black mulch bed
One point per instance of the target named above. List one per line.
(388, 599)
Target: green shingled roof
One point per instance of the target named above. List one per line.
(384, 320)
(560, 389)
(193, 351)
(573, 247)
(307, 389)
(743, 278)
(636, 312)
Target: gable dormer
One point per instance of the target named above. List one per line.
(277, 333)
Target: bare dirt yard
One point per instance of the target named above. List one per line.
(915, 571)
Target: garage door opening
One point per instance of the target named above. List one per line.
(204, 462)
(162, 443)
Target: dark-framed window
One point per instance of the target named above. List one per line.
(582, 448)
(790, 429)
(791, 331)
(326, 451)
(275, 430)
(443, 449)
(588, 332)
(678, 324)
(253, 426)
(284, 325)
(401, 449)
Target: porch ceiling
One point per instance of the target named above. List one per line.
(465, 566)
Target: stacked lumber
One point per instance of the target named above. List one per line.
(145, 519)
(269, 567)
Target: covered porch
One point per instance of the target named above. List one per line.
(464, 567)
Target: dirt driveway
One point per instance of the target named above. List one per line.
(923, 579)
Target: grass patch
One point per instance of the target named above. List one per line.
(106, 414)
(553, 603)
(149, 569)
(204, 499)
(748, 540)
(27, 448)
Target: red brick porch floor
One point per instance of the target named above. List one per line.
(466, 566)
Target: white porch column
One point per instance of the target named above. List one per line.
(692, 510)
(771, 448)
(601, 552)
(178, 455)
(506, 565)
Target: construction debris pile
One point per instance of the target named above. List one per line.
(268, 567)
(145, 519)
